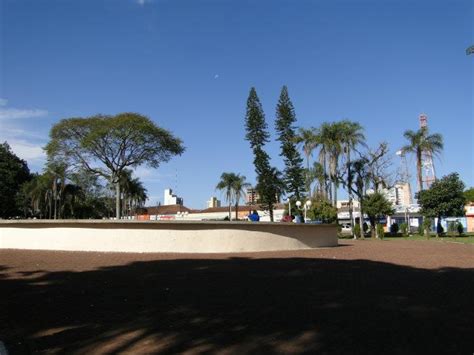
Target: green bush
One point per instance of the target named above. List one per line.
(394, 228)
(356, 230)
(420, 229)
(452, 228)
(380, 231)
(427, 226)
(460, 228)
(404, 229)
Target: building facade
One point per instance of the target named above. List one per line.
(213, 202)
(171, 199)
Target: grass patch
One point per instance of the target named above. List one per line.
(465, 238)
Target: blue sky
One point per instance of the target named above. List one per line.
(189, 65)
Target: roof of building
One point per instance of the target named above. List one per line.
(167, 209)
(173, 209)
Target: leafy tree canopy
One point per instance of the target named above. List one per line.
(322, 210)
(13, 173)
(445, 198)
(106, 145)
(469, 194)
(376, 206)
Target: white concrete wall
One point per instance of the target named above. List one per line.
(176, 237)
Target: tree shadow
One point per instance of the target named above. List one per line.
(294, 305)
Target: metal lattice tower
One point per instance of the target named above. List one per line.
(427, 165)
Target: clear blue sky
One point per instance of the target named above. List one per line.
(189, 65)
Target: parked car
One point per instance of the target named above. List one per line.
(346, 228)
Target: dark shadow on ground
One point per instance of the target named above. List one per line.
(243, 306)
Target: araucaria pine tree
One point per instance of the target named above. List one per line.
(268, 186)
(285, 119)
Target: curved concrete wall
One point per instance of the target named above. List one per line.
(175, 237)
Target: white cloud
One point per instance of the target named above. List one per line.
(19, 133)
(27, 151)
(15, 113)
(3, 102)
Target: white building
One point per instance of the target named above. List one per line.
(171, 199)
(213, 202)
(399, 195)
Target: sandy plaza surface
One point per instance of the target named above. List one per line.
(395, 297)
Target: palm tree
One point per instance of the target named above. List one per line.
(352, 137)
(329, 137)
(227, 183)
(238, 188)
(134, 194)
(308, 139)
(420, 142)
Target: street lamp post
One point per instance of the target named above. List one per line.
(306, 207)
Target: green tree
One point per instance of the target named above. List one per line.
(308, 139)
(107, 145)
(284, 125)
(239, 187)
(321, 209)
(256, 133)
(134, 194)
(227, 183)
(420, 142)
(13, 173)
(445, 198)
(376, 206)
(469, 194)
(352, 136)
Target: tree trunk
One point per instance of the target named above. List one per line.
(419, 171)
(322, 161)
(361, 219)
(236, 211)
(308, 182)
(373, 230)
(117, 200)
(349, 184)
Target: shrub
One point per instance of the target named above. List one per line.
(460, 228)
(394, 228)
(356, 230)
(380, 231)
(420, 229)
(404, 229)
(427, 226)
(452, 228)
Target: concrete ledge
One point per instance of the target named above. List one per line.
(164, 236)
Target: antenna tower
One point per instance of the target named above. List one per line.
(427, 165)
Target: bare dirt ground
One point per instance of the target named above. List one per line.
(367, 297)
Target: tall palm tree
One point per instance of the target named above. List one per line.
(308, 139)
(420, 142)
(352, 137)
(134, 194)
(227, 183)
(238, 189)
(322, 134)
(329, 137)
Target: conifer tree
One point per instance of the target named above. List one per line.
(285, 119)
(268, 181)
